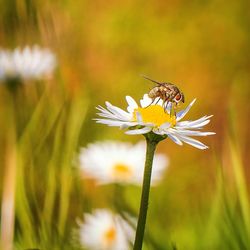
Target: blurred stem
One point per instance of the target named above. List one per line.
(118, 196)
(9, 185)
(8, 199)
(241, 186)
(75, 117)
(151, 146)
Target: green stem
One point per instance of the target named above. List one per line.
(151, 145)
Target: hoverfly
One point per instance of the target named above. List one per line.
(167, 92)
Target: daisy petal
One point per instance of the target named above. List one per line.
(158, 131)
(175, 139)
(117, 111)
(165, 125)
(193, 142)
(114, 123)
(196, 123)
(182, 113)
(138, 131)
(132, 105)
(145, 101)
(138, 117)
(190, 132)
(110, 123)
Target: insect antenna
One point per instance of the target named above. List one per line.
(151, 80)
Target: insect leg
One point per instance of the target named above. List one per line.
(171, 108)
(175, 107)
(151, 102)
(165, 105)
(158, 100)
(165, 102)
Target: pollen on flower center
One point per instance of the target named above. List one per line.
(110, 235)
(155, 114)
(121, 171)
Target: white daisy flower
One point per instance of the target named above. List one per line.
(153, 118)
(119, 162)
(28, 63)
(104, 230)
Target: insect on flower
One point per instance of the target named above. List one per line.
(167, 92)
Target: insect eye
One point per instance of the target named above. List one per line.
(177, 97)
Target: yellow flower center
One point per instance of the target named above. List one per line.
(109, 236)
(155, 114)
(121, 171)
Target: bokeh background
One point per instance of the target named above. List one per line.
(102, 48)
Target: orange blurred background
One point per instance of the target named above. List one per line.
(104, 46)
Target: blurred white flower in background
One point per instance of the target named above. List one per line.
(28, 63)
(152, 117)
(104, 230)
(119, 162)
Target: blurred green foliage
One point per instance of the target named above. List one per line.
(102, 48)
